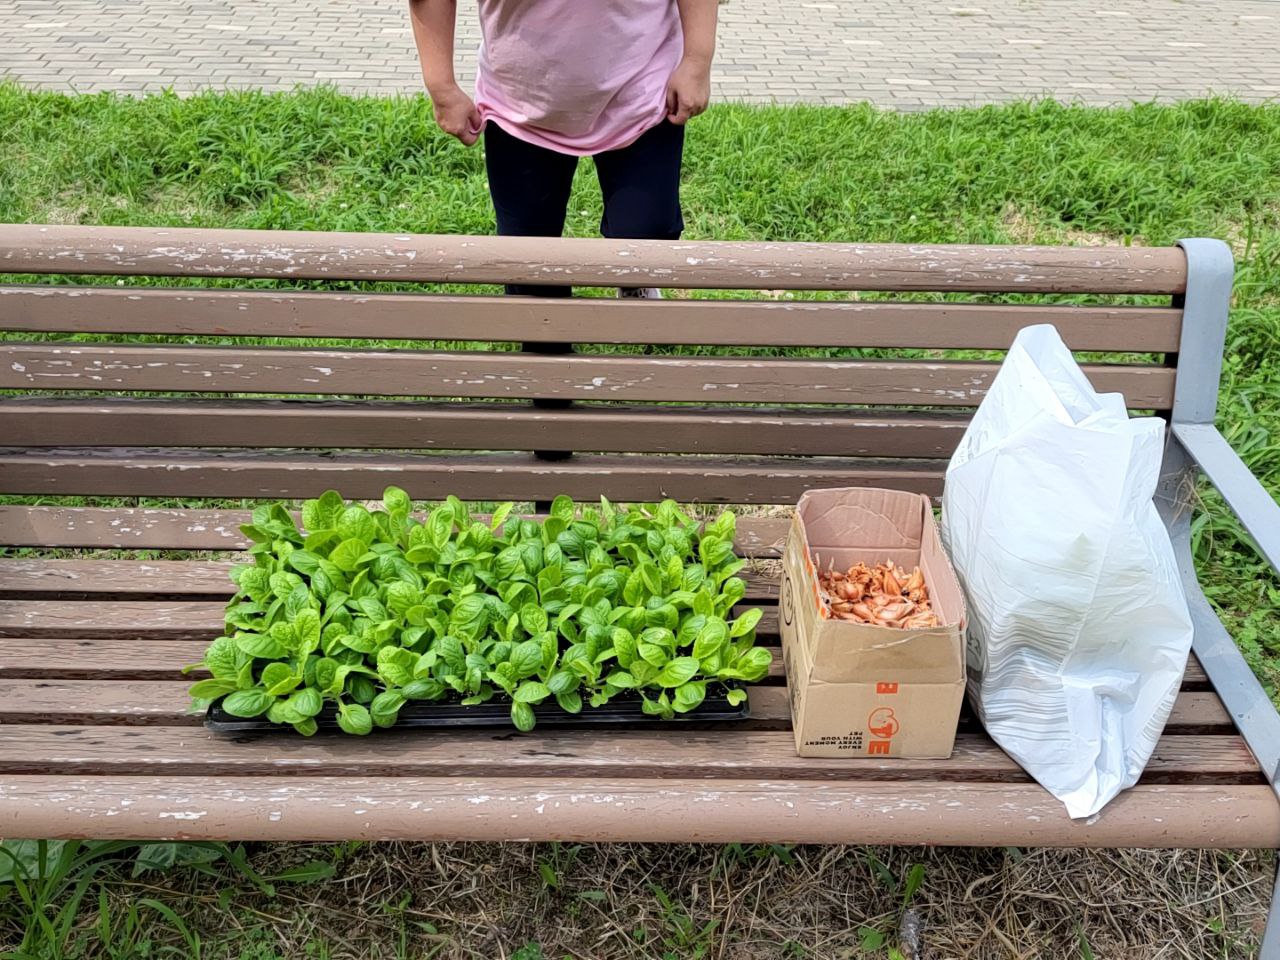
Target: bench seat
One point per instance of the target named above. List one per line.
(94, 710)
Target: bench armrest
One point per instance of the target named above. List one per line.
(1252, 710)
(1246, 497)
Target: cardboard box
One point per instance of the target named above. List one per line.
(859, 690)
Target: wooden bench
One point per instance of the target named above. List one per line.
(96, 740)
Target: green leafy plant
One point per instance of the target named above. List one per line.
(365, 610)
(681, 936)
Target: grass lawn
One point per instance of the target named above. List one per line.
(1023, 173)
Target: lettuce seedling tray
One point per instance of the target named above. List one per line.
(426, 714)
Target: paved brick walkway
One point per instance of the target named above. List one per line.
(894, 53)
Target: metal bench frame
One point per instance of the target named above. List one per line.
(1196, 447)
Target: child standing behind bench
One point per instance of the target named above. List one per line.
(561, 79)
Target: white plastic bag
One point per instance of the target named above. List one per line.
(1078, 624)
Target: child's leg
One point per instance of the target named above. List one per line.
(530, 189)
(641, 186)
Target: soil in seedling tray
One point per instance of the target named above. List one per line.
(426, 714)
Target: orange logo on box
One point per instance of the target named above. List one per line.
(886, 688)
(882, 723)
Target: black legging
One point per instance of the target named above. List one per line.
(530, 187)
(640, 184)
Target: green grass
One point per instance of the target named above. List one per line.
(74, 900)
(1043, 172)
(320, 160)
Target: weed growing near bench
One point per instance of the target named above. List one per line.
(461, 901)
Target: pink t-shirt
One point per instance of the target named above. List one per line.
(577, 76)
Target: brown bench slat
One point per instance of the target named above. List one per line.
(120, 578)
(110, 658)
(38, 620)
(166, 702)
(97, 702)
(23, 575)
(155, 528)
(107, 658)
(61, 633)
(622, 477)
(45, 422)
(1194, 712)
(145, 621)
(142, 528)
(195, 578)
(101, 658)
(390, 316)
(663, 752)
(748, 811)
(294, 254)
(404, 373)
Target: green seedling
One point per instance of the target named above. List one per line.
(363, 611)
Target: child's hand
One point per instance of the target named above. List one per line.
(456, 114)
(688, 91)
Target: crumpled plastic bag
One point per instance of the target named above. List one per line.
(1078, 625)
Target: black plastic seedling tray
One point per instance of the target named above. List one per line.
(423, 714)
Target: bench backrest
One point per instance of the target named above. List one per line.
(166, 400)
